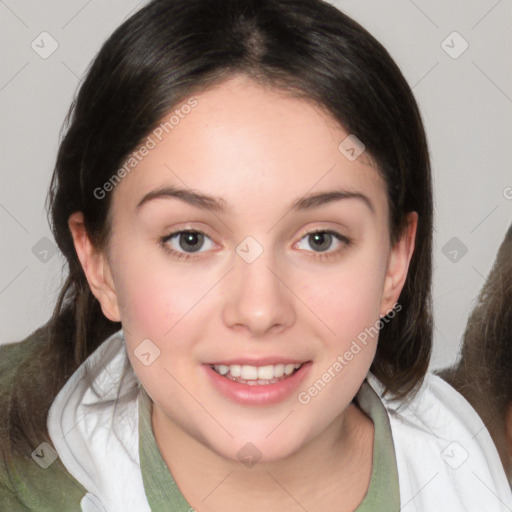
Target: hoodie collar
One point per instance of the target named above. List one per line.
(93, 424)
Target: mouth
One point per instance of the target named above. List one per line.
(257, 375)
(265, 382)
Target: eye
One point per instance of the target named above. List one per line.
(189, 241)
(321, 241)
(183, 244)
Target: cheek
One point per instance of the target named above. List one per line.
(169, 305)
(163, 305)
(347, 297)
(155, 295)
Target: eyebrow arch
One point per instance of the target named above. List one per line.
(216, 204)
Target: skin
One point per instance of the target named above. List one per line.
(259, 150)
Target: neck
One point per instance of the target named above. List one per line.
(340, 458)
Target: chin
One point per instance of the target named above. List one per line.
(258, 449)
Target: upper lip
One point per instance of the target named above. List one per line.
(263, 361)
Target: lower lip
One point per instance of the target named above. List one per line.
(263, 394)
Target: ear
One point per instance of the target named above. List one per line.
(96, 268)
(398, 264)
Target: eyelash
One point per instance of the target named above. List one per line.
(346, 242)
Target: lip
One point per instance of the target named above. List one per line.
(266, 394)
(264, 361)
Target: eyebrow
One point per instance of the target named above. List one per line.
(218, 204)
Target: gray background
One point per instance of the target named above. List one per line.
(466, 103)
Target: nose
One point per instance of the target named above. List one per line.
(258, 298)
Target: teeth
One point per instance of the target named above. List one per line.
(249, 372)
(235, 370)
(255, 373)
(222, 369)
(288, 369)
(278, 370)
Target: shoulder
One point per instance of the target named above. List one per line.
(20, 369)
(445, 456)
(437, 407)
(13, 356)
(39, 484)
(15, 360)
(31, 479)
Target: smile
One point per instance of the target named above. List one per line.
(257, 385)
(256, 375)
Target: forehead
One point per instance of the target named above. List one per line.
(248, 143)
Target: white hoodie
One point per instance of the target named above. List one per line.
(445, 456)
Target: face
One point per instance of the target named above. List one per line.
(258, 275)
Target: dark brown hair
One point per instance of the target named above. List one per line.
(483, 373)
(171, 49)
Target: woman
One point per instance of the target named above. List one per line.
(243, 196)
